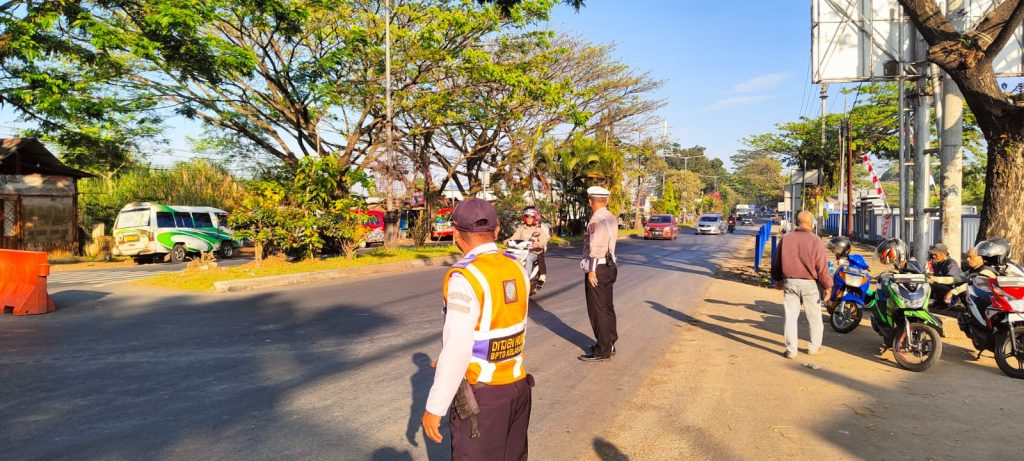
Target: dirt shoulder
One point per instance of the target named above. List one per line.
(723, 391)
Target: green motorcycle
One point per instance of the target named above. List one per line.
(899, 313)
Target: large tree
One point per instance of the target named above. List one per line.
(55, 78)
(967, 58)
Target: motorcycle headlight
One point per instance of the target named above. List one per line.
(852, 280)
(914, 303)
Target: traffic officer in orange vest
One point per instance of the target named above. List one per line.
(481, 362)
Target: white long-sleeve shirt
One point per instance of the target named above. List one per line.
(456, 339)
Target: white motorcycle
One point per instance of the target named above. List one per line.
(524, 253)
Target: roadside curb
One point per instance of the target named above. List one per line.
(277, 281)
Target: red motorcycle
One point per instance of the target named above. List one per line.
(994, 319)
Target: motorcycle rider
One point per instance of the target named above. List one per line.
(986, 259)
(532, 225)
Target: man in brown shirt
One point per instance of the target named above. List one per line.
(800, 269)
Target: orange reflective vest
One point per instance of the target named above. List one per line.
(500, 334)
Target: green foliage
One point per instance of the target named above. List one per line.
(760, 181)
(667, 203)
(196, 182)
(583, 163)
(315, 212)
(54, 76)
(687, 187)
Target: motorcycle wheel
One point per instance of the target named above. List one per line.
(1005, 357)
(845, 320)
(921, 351)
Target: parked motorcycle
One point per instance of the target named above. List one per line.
(850, 293)
(900, 315)
(523, 252)
(994, 319)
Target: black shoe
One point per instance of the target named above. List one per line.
(593, 347)
(593, 358)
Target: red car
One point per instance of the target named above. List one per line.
(442, 226)
(661, 226)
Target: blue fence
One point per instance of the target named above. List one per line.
(763, 234)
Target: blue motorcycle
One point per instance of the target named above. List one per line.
(851, 288)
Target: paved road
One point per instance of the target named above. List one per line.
(330, 371)
(68, 279)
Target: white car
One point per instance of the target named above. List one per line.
(711, 224)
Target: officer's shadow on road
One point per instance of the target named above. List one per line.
(556, 325)
(607, 451)
(421, 381)
(741, 337)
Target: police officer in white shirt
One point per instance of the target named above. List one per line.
(599, 265)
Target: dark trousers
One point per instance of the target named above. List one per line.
(542, 268)
(601, 308)
(939, 294)
(503, 422)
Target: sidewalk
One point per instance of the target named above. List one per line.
(723, 391)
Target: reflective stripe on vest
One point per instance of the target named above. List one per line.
(500, 334)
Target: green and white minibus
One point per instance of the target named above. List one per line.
(151, 231)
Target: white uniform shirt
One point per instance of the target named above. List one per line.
(456, 338)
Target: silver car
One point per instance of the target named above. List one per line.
(711, 224)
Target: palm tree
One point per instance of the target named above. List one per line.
(571, 169)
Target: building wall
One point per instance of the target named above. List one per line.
(39, 214)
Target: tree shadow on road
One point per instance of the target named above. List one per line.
(741, 337)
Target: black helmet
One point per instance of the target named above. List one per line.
(891, 251)
(839, 246)
(994, 251)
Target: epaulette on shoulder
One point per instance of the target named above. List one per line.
(466, 261)
(509, 255)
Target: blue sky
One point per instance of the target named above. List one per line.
(732, 68)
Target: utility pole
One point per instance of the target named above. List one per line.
(391, 218)
(844, 127)
(849, 180)
(900, 227)
(817, 181)
(922, 161)
(951, 150)
(637, 223)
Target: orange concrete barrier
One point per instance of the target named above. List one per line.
(23, 282)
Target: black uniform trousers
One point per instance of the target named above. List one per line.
(503, 422)
(601, 308)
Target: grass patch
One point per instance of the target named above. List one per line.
(569, 239)
(630, 232)
(199, 279)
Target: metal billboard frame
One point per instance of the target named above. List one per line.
(869, 40)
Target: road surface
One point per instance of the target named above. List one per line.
(338, 370)
(61, 280)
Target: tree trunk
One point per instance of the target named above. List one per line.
(1004, 191)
